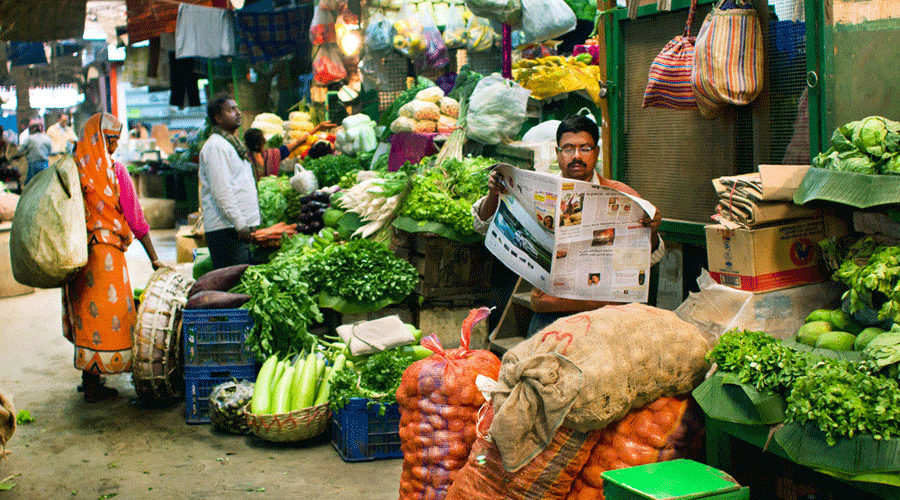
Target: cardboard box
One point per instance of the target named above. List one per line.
(767, 258)
(185, 244)
(780, 181)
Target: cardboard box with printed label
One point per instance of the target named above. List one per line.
(767, 258)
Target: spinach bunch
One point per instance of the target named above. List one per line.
(759, 360)
(330, 168)
(872, 274)
(361, 271)
(281, 306)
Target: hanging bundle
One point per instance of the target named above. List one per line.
(669, 83)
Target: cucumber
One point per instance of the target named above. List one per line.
(282, 395)
(259, 404)
(306, 392)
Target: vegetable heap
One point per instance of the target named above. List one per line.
(360, 272)
(376, 378)
(281, 305)
(867, 146)
(375, 198)
(274, 193)
(872, 273)
(842, 398)
(330, 168)
(444, 193)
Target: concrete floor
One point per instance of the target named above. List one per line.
(76, 450)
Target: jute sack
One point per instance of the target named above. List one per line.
(590, 369)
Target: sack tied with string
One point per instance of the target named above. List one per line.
(669, 82)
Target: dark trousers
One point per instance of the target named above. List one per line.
(225, 249)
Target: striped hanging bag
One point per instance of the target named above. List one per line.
(728, 58)
(669, 83)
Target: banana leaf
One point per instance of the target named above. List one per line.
(848, 188)
(413, 226)
(853, 356)
(723, 397)
(888, 478)
(345, 306)
(863, 454)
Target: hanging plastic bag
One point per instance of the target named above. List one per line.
(378, 36)
(504, 11)
(455, 29)
(435, 54)
(48, 242)
(481, 35)
(321, 29)
(496, 110)
(328, 67)
(407, 33)
(372, 72)
(546, 19)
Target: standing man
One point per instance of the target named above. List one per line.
(227, 190)
(36, 148)
(577, 153)
(61, 135)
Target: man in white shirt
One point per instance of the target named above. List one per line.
(36, 148)
(61, 135)
(227, 190)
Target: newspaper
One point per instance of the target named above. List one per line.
(572, 239)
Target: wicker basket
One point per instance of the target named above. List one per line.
(294, 426)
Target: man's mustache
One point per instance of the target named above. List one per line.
(577, 162)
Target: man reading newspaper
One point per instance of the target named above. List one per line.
(577, 153)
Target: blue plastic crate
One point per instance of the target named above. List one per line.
(214, 337)
(359, 433)
(199, 381)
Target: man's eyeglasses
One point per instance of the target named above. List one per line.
(570, 150)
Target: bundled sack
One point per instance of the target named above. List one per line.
(666, 429)
(590, 369)
(370, 337)
(496, 110)
(439, 403)
(728, 59)
(549, 476)
(328, 67)
(48, 242)
(669, 82)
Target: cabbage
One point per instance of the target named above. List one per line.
(876, 136)
(892, 165)
(854, 161)
(840, 139)
(828, 159)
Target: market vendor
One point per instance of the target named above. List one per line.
(577, 153)
(267, 161)
(227, 191)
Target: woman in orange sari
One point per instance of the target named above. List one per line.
(98, 308)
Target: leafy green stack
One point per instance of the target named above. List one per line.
(867, 146)
(842, 398)
(274, 192)
(872, 273)
(444, 193)
(330, 168)
(361, 275)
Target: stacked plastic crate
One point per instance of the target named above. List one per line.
(215, 351)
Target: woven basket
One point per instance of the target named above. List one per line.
(294, 426)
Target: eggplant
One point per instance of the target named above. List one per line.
(306, 198)
(316, 225)
(320, 213)
(305, 217)
(303, 228)
(322, 196)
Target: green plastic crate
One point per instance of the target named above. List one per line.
(673, 480)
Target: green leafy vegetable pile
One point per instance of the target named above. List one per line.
(274, 193)
(361, 271)
(872, 273)
(842, 398)
(330, 168)
(867, 146)
(444, 193)
(281, 306)
(377, 379)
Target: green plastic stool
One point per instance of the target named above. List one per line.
(674, 480)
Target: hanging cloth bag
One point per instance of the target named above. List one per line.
(669, 83)
(728, 58)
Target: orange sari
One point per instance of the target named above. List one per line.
(98, 309)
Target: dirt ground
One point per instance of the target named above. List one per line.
(117, 449)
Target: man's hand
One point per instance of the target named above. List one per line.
(495, 184)
(653, 224)
(245, 234)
